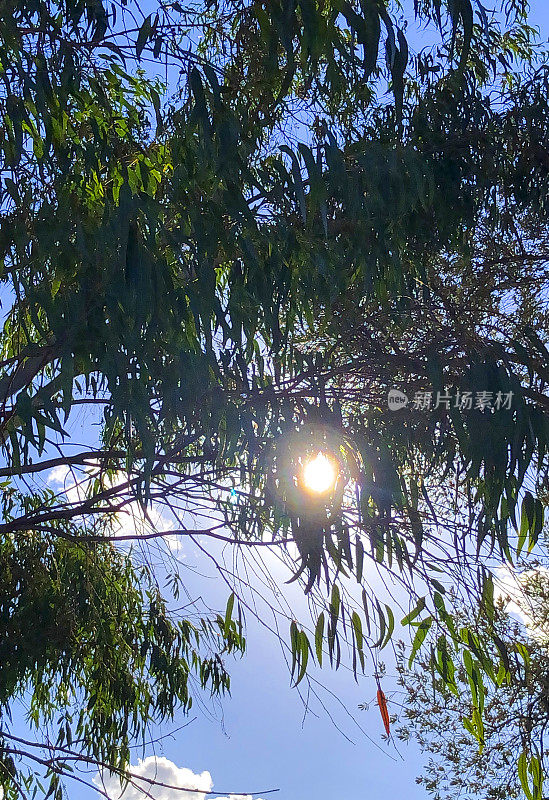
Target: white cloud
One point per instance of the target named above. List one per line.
(163, 771)
(68, 482)
(131, 521)
(58, 475)
(517, 591)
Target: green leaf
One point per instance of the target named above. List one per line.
(419, 638)
(522, 767)
(467, 19)
(319, 637)
(539, 519)
(304, 656)
(357, 626)
(359, 559)
(145, 32)
(526, 520)
(537, 777)
(229, 614)
(420, 605)
(298, 181)
(390, 626)
(335, 604)
(488, 596)
(382, 625)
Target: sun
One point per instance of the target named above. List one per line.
(319, 474)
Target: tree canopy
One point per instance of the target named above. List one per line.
(514, 714)
(228, 231)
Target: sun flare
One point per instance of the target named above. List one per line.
(319, 474)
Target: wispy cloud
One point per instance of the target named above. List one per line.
(524, 594)
(75, 486)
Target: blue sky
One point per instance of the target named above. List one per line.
(539, 15)
(263, 740)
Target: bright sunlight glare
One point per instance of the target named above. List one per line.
(319, 474)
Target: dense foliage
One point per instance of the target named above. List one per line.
(230, 274)
(515, 714)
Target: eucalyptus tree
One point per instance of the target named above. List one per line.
(515, 714)
(231, 276)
